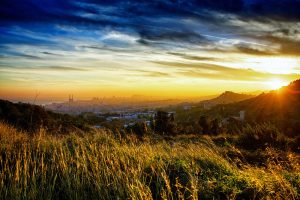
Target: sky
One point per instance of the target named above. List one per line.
(170, 48)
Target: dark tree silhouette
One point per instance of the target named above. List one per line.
(215, 127)
(165, 123)
(140, 129)
(204, 124)
(31, 118)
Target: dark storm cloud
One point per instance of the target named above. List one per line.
(227, 5)
(155, 22)
(276, 9)
(69, 11)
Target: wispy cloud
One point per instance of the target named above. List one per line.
(210, 71)
(148, 41)
(63, 68)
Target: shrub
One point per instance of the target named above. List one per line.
(295, 144)
(260, 136)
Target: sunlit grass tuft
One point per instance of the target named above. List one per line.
(102, 166)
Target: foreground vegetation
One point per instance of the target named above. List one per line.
(102, 165)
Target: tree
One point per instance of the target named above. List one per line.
(165, 123)
(140, 129)
(215, 127)
(161, 119)
(204, 124)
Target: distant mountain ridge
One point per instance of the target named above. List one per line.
(280, 107)
(225, 98)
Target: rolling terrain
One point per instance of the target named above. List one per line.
(225, 98)
(257, 161)
(280, 107)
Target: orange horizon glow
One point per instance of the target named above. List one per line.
(180, 79)
(163, 91)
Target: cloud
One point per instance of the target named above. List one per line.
(189, 37)
(50, 53)
(119, 36)
(43, 68)
(287, 46)
(119, 31)
(242, 75)
(247, 49)
(150, 23)
(199, 67)
(20, 55)
(80, 11)
(211, 71)
(286, 10)
(193, 57)
(63, 68)
(221, 5)
(153, 73)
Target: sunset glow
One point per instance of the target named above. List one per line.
(128, 48)
(276, 84)
(276, 65)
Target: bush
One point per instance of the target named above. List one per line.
(165, 123)
(260, 136)
(139, 128)
(295, 144)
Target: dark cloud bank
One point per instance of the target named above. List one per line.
(161, 21)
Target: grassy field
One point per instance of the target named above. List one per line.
(101, 165)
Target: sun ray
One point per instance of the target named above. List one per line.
(275, 84)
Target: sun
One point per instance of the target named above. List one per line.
(275, 84)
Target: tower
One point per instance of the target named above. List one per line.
(71, 99)
(242, 115)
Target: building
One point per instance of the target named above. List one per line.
(240, 118)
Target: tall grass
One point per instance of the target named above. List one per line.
(100, 166)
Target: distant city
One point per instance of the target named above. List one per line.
(119, 105)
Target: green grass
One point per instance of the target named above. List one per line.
(101, 166)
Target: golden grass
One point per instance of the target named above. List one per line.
(99, 166)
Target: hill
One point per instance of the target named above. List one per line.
(225, 98)
(281, 107)
(101, 166)
(32, 117)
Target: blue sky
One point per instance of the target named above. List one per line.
(174, 48)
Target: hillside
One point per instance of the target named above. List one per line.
(282, 107)
(259, 162)
(225, 98)
(31, 118)
(101, 166)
